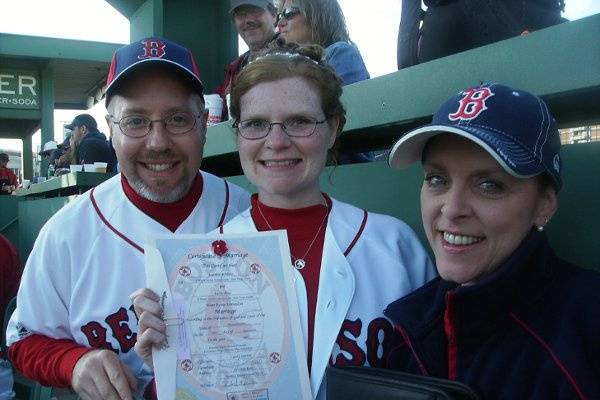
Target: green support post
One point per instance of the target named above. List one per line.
(47, 105)
(203, 26)
(27, 158)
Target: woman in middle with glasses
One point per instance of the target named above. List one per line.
(349, 263)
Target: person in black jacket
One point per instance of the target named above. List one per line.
(451, 26)
(90, 144)
(506, 316)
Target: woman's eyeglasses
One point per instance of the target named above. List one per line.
(253, 129)
(288, 13)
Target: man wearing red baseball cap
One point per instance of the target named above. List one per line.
(89, 257)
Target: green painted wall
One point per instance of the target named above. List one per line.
(573, 231)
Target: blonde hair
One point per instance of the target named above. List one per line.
(325, 19)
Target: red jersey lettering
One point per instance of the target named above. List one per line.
(350, 346)
(472, 104)
(120, 329)
(381, 339)
(96, 335)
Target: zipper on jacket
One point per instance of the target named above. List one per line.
(450, 330)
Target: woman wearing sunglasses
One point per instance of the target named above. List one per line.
(349, 263)
(322, 22)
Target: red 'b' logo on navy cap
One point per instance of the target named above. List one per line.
(152, 48)
(472, 104)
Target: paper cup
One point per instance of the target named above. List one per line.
(76, 167)
(214, 105)
(89, 167)
(100, 166)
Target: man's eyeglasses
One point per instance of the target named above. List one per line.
(288, 13)
(254, 129)
(137, 126)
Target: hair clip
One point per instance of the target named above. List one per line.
(285, 54)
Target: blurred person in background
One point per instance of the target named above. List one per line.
(51, 152)
(10, 271)
(322, 22)
(8, 179)
(90, 145)
(453, 26)
(254, 21)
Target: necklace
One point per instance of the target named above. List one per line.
(298, 263)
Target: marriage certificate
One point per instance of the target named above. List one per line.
(233, 325)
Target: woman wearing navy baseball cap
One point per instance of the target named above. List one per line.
(506, 316)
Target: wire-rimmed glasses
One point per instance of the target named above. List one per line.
(137, 126)
(254, 129)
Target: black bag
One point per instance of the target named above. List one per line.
(363, 383)
(452, 26)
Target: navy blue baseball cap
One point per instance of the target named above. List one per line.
(513, 126)
(152, 50)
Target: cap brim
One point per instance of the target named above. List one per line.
(70, 126)
(197, 83)
(255, 3)
(409, 149)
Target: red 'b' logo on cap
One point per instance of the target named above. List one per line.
(472, 104)
(153, 48)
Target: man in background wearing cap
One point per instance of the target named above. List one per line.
(51, 152)
(90, 144)
(255, 21)
(8, 179)
(74, 324)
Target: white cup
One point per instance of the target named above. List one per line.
(26, 183)
(89, 167)
(76, 167)
(214, 105)
(100, 166)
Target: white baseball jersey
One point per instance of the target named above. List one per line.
(369, 260)
(88, 259)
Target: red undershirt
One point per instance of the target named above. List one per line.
(51, 361)
(301, 225)
(170, 215)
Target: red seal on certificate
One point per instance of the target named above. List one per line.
(184, 270)
(187, 365)
(275, 358)
(255, 268)
(219, 247)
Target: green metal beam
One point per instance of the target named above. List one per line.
(47, 105)
(43, 47)
(126, 7)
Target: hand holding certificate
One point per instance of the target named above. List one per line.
(233, 326)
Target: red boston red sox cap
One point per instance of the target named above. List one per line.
(152, 50)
